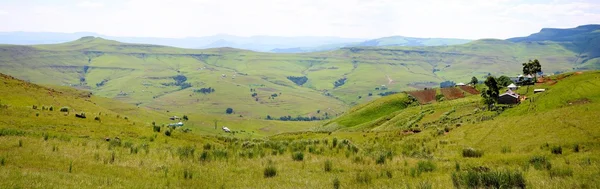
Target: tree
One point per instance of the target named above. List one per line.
(490, 95)
(532, 67)
(504, 81)
(185, 117)
(474, 80)
(446, 84)
(229, 111)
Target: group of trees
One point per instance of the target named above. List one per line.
(298, 118)
(339, 82)
(387, 93)
(447, 84)
(298, 80)
(180, 80)
(492, 92)
(205, 90)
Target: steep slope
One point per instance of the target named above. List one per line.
(584, 40)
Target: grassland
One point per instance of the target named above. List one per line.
(393, 142)
(143, 75)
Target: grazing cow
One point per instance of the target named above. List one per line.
(226, 129)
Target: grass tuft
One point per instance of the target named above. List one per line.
(471, 153)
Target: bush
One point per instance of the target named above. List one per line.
(270, 170)
(425, 166)
(51, 108)
(298, 156)
(506, 149)
(335, 141)
(561, 172)
(20, 143)
(380, 159)
(556, 150)
(576, 148)
(156, 128)
(363, 178)
(187, 174)
(336, 183)
(168, 132)
(328, 166)
(540, 162)
(186, 152)
(488, 179)
(472, 153)
(64, 109)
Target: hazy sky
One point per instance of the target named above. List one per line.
(470, 19)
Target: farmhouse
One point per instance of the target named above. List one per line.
(509, 97)
(539, 90)
(512, 87)
(176, 124)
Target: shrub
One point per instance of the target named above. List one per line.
(425, 166)
(34, 107)
(474, 178)
(71, 167)
(506, 149)
(576, 148)
(187, 174)
(556, 150)
(156, 128)
(45, 135)
(51, 108)
(37, 114)
(168, 132)
(328, 166)
(380, 159)
(298, 156)
(204, 156)
(2, 161)
(363, 178)
(270, 170)
(336, 183)
(335, 142)
(220, 154)
(20, 143)
(97, 118)
(472, 153)
(186, 152)
(64, 109)
(561, 172)
(540, 162)
(207, 146)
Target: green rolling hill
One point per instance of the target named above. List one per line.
(256, 84)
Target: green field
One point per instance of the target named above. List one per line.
(549, 142)
(143, 75)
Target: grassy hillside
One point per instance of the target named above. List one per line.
(151, 75)
(548, 142)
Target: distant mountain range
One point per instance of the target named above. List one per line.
(254, 43)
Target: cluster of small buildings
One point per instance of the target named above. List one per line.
(510, 96)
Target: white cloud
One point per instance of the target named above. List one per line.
(470, 19)
(89, 4)
(2, 12)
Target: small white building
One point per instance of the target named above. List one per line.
(538, 90)
(226, 130)
(512, 87)
(460, 84)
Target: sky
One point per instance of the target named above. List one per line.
(467, 19)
